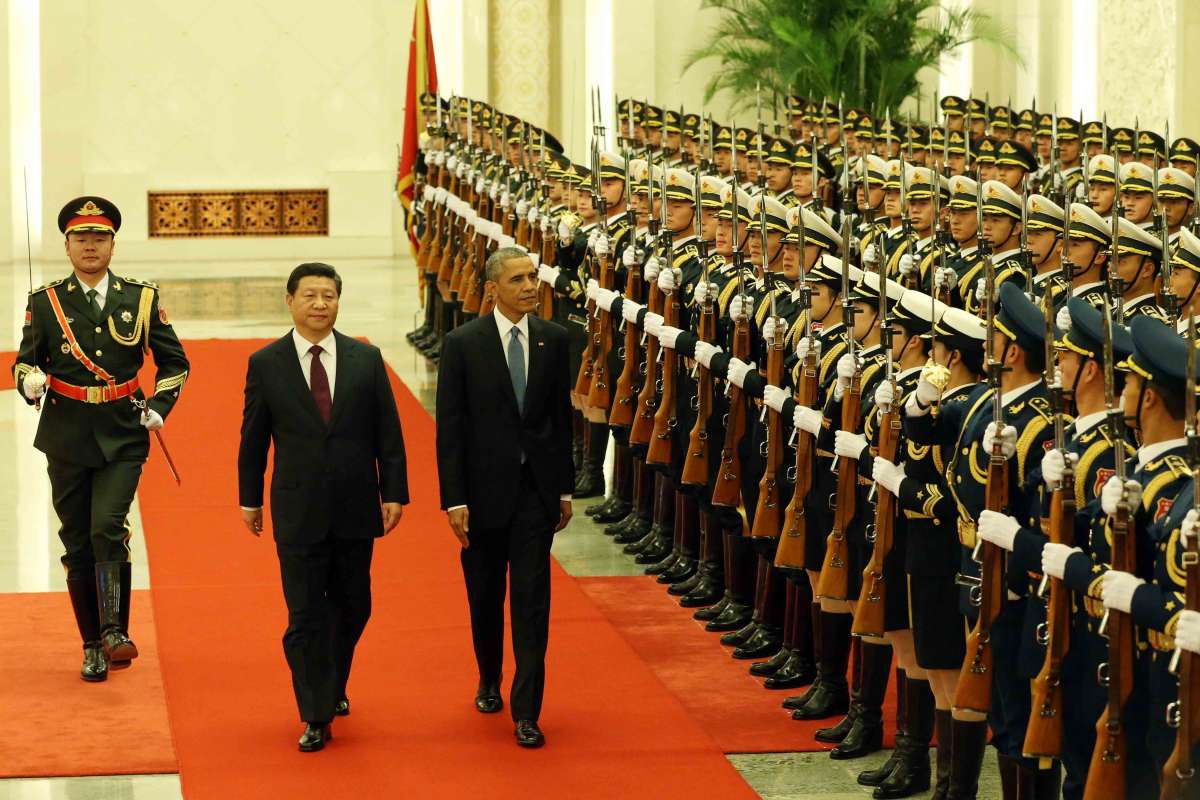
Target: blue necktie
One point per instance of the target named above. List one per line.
(516, 366)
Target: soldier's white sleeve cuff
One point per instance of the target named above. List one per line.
(454, 508)
(251, 509)
(566, 498)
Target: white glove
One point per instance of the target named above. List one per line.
(565, 233)
(704, 292)
(803, 346)
(533, 215)
(999, 529)
(944, 277)
(479, 185)
(151, 420)
(705, 352)
(440, 195)
(544, 221)
(738, 307)
(887, 474)
(1188, 530)
(494, 190)
(592, 288)
(667, 336)
(1054, 558)
(34, 385)
(768, 330)
(652, 324)
(428, 193)
(980, 289)
(522, 208)
(632, 256)
(629, 311)
(1062, 320)
(605, 298)
(548, 274)
(927, 393)
(1187, 631)
(1008, 440)
(774, 397)
(461, 170)
(737, 371)
(1118, 590)
(601, 248)
(848, 445)
(885, 394)
(1110, 495)
(669, 279)
(906, 264)
(1054, 463)
(452, 161)
(846, 367)
(651, 269)
(806, 419)
(868, 254)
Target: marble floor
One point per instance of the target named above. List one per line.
(245, 300)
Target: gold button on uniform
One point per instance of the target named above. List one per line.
(98, 329)
(99, 352)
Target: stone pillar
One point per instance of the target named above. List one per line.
(1138, 61)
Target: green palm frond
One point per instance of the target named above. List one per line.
(869, 52)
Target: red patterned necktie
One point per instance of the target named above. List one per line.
(318, 380)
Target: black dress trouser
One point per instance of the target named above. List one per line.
(519, 551)
(327, 588)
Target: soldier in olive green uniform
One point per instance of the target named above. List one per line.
(84, 339)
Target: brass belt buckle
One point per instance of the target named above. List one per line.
(93, 394)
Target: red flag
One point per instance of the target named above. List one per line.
(422, 77)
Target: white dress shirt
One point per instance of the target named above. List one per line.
(328, 358)
(101, 289)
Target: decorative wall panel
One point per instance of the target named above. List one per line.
(519, 43)
(290, 212)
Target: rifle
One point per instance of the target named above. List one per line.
(1178, 773)
(911, 280)
(767, 514)
(600, 392)
(974, 692)
(522, 222)
(624, 404)
(1055, 193)
(834, 581)
(789, 554)
(1107, 769)
(727, 490)
(1043, 736)
(665, 418)
(695, 460)
(545, 246)
(1166, 297)
(868, 613)
(1116, 285)
(647, 405)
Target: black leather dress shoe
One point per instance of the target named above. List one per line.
(713, 611)
(765, 643)
(761, 669)
(654, 552)
(117, 646)
(315, 737)
(596, 508)
(681, 588)
(616, 511)
(683, 569)
(95, 665)
(529, 734)
(665, 563)
(733, 618)
(342, 708)
(621, 525)
(488, 700)
(634, 532)
(741, 635)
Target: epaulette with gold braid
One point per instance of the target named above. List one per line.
(49, 285)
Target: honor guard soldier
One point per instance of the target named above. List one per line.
(1001, 123)
(1139, 254)
(1137, 193)
(780, 161)
(1044, 224)
(1002, 230)
(1095, 139)
(1185, 276)
(1151, 150)
(1013, 163)
(1176, 193)
(977, 118)
(1122, 142)
(83, 342)
(964, 231)
(1026, 123)
(1183, 155)
(1087, 248)
(1102, 184)
(954, 108)
(1070, 156)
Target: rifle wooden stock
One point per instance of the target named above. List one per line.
(1178, 773)
(834, 581)
(522, 234)
(461, 248)
(768, 511)
(790, 552)
(1106, 773)
(974, 692)
(647, 403)
(1043, 736)
(868, 613)
(537, 245)
(659, 452)
(599, 394)
(507, 222)
(427, 235)
(728, 488)
(695, 462)
(625, 400)
(472, 293)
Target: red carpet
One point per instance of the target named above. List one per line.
(717, 691)
(65, 726)
(613, 729)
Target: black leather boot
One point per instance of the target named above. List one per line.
(866, 734)
(830, 696)
(765, 642)
(874, 777)
(734, 617)
(1010, 776)
(683, 569)
(761, 669)
(911, 774)
(81, 587)
(619, 505)
(663, 564)
(1047, 783)
(968, 746)
(709, 589)
(942, 720)
(635, 531)
(741, 635)
(798, 670)
(615, 511)
(713, 611)
(652, 534)
(596, 508)
(655, 551)
(113, 580)
(682, 587)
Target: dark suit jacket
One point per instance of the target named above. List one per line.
(480, 432)
(328, 479)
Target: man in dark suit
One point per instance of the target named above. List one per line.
(339, 482)
(506, 473)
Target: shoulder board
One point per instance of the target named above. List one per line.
(1042, 406)
(136, 282)
(620, 226)
(685, 253)
(49, 285)
(1178, 466)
